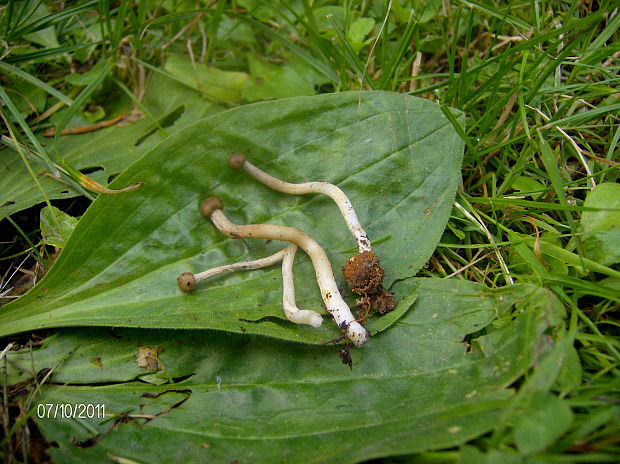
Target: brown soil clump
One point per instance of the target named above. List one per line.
(363, 272)
(365, 275)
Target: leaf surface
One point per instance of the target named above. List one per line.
(602, 228)
(397, 157)
(413, 388)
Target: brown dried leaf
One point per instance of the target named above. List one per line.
(147, 357)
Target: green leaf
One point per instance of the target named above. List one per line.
(28, 98)
(85, 78)
(49, 230)
(396, 157)
(45, 37)
(570, 375)
(111, 149)
(602, 227)
(217, 85)
(607, 197)
(358, 31)
(272, 81)
(412, 388)
(431, 9)
(529, 186)
(323, 23)
(545, 420)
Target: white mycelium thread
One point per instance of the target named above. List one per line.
(336, 306)
(238, 161)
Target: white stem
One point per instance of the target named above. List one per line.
(334, 303)
(287, 256)
(293, 313)
(242, 266)
(339, 197)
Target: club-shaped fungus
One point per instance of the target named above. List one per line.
(212, 209)
(362, 272)
(187, 283)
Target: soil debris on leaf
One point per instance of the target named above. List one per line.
(345, 355)
(364, 274)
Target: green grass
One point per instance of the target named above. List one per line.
(538, 82)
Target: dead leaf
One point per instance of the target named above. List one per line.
(147, 357)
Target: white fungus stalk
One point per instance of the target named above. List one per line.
(292, 312)
(363, 272)
(336, 306)
(187, 283)
(242, 266)
(237, 161)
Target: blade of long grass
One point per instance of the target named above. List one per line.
(33, 80)
(121, 14)
(322, 68)
(496, 14)
(81, 99)
(479, 224)
(34, 249)
(389, 72)
(531, 204)
(47, 53)
(583, 286)
(8, 17)
(49, 164)
(327, 52)
(10, 128)
(548, 159)
(463, 78)
(600, 40)
(572, 27)
(31, 137)
(448, 113)
(572, 259)
(587, 116)
(350, 55)
(22, 11)
(520, 95)
(54, 18)
(143, 108)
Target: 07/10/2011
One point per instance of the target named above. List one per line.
(71, 411)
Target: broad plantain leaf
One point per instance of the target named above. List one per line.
(397, 157)
(103, 153)
(413, 388)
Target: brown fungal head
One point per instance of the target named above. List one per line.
(209, 205)
(236, 160)
(187, 282)
(363, 272)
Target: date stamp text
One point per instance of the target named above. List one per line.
(71, 411)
